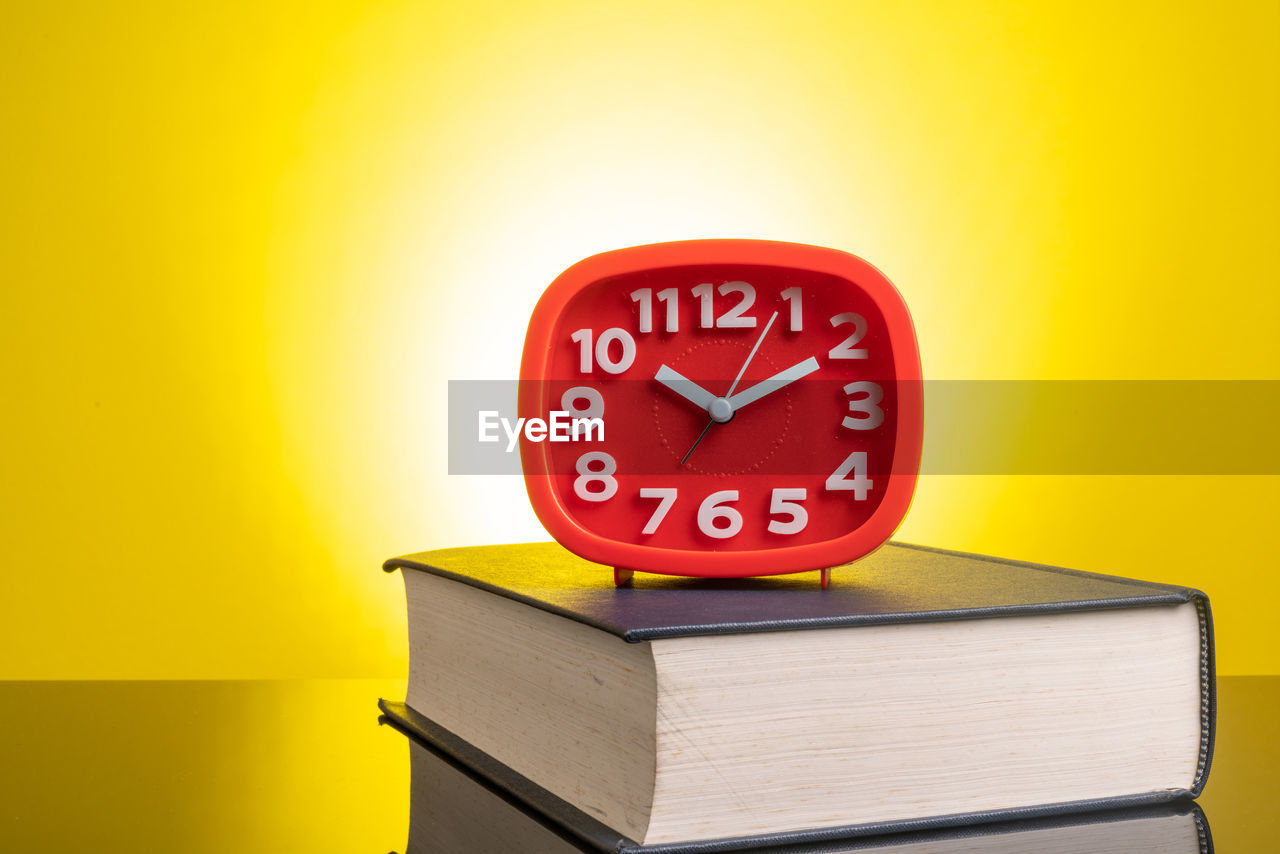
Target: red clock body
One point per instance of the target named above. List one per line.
(721, 408)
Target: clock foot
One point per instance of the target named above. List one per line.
(825, 578)
(622, 577)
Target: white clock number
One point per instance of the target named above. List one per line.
(783, 502)
(787, 501)
(583, 339)
(795, 298)
(871, 415)
(666, 496)
(845, 349)
(706, 319)
(731, 319)
(602, 475)
(859, 483)
(666, 296)
(712, 509)
(595, 402)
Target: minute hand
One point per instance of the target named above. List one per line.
(775, 382)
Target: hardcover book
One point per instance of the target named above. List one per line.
(927, 689)
(452, 809)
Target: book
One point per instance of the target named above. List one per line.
(453, 807)
(927, 688)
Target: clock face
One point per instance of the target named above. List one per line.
(746, 408)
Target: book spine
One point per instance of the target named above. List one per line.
(1208, 692)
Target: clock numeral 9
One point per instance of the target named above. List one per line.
(870, 415)
(595, 402)
(583, 339)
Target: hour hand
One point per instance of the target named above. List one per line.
(775, 382)
(686, 388)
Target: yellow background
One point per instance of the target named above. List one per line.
(245, 246)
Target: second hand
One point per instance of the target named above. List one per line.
(733, 387)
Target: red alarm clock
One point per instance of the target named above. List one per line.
(721, 408)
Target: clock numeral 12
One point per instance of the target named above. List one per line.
(731, 319)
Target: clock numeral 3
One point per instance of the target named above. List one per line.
(870, 415)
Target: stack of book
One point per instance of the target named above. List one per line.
(932, 698)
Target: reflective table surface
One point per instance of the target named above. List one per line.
(304, 766)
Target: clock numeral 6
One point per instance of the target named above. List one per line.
(860, 484)
(602, 355)
(712, 508)
(595, 467)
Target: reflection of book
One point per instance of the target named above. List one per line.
(927, 688)
(450, 811)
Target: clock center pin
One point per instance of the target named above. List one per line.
(721, 410)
